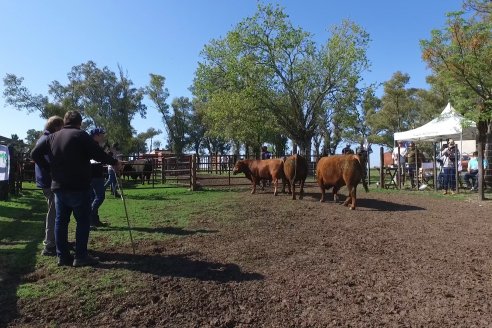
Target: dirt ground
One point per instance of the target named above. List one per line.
(399, 260)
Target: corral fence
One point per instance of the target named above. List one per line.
(163, 170)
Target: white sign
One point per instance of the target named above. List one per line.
(4, 163)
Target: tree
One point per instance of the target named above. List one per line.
(179, 123)
(149, 134)
(460, 56)
(196, 128)
(104, 99)
(292, 77)
(157, 144)
(32, 137)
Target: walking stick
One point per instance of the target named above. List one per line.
(126, 212)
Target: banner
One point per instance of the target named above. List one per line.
(4, 163)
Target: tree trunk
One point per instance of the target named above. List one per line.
(485, 152)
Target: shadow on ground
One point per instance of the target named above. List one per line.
(164, 230)
(176, 266)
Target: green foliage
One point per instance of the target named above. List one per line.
(105, 99)
(32, 137)
(265, 67)
(460, 56)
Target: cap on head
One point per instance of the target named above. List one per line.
(97, 131)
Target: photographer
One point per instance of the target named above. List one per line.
(449, 156)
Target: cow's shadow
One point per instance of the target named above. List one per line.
(183, 265)
(364, 203)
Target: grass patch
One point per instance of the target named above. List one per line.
(154, 214)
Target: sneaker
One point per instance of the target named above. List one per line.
(49, 251)
(65, 261)
(92, 227)
(453, 192)
(100, 224)
(445, 192)
(86, 261)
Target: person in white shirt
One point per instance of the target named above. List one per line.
(403, 152)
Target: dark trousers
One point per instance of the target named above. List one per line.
(473, 177)
(66, 203)
(449, 178)
(97, 198)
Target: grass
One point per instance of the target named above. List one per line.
(154, 214)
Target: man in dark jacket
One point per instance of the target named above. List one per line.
(70, 151)
(43, 181)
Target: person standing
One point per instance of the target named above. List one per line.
(70, 151)
(472, 171)
(449, 156)
(97, 195)
(347, 150)
(43, 181)
(111, 182)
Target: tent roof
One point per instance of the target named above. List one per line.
(449, 124)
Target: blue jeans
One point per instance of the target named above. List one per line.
(67, 202)
(111, 181)
(449, 178)
(97, 198)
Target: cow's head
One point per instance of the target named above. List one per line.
(240, 167)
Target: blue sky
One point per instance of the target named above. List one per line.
(42, 40)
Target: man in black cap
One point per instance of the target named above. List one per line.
(347, 150)
(70, 151)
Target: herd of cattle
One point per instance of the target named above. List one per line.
(331, 172)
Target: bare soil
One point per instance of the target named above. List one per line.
(398, 260)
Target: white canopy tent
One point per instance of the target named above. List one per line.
(449, 124)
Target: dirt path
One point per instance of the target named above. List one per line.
(398, 260)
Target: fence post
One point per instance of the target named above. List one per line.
(381, 167)
(193, 172)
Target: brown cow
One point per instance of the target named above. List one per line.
(340, 170)
(256, 170)
(295, 169)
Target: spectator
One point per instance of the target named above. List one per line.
(411, 155)
(111, 182)
(97, 182)
(265, 154)
(70, 151)
(399, 160)
(472, 171)
(43, 181)
(347, 150)
(449, 156)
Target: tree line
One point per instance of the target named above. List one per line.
(268, 81)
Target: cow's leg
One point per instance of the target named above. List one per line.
(275, 184)
(301, 194)
(354, 197)
(335, 193)
(322, 187)
(349, 195)
(293, 189)
(254, 185)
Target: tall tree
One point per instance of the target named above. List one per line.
(293, 76)
(396, 109)
(460, 55)
(104, 99)
(32, 137)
